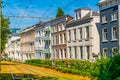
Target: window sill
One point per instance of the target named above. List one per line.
(87, 39)
(114, 40)
(104, 23)
(104, 41)
(113, 20)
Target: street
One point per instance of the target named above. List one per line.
(14, 68)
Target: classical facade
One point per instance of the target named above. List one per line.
(83, 35)
(39, 43)
(109, 27)
(12, 49)
(58, 37)
(46, 39)
(27, 39)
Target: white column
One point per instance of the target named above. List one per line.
(60, 53)
(72, 35)
(77, 34)
(63, 38)
(67, 36)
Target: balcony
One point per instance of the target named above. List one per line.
(47, 29)
(46, 51)
(46, 38)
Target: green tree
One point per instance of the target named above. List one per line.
(4, 29)
(59, 13)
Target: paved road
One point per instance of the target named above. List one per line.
(19, 68)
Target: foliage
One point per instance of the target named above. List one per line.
(59, 13)
(5, 31)
(103, 69)
(38, 62)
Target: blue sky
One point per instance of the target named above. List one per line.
(42, 8)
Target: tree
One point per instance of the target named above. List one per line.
(59, 13)
(4, 30)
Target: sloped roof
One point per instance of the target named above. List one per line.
(83, 20)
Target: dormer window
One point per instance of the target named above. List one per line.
(76, 16)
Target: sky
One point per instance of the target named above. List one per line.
(41, 8)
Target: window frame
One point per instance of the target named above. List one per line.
(113, 33)
(105, 54)
(103, 39)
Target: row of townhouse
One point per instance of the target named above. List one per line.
(88, 35)
(63, 38)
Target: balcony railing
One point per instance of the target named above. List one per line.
(46, 38)
(46, 51)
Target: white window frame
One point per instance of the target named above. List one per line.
(113, 38)
(113, 50)
(105, 54)
(103, 39)
(104, 19)
(114, 16)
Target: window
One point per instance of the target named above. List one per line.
(61, 53)
(74, 34)
(104, 19)
(76, 16)
(61, 39)
(75, 48)
(40, 53)
(113, 16)
(87, 32)
(64, 38)
(69, 35)
(80, 33)
(56, 39)
(104, 34)
(81, 52)
(65, 53)
(105, 51)
(88, 52)
(114, 33)
(114, 51)
(70, 52)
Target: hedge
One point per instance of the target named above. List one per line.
(104, 69)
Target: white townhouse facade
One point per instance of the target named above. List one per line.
(27, 39)
(83, 35)
(12, 49)
(39, 43)
(42, 40)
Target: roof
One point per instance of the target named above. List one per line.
(81, 9)
(92, 13)
(61, 17)
(28, 29)
(83, 20)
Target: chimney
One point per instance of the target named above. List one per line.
(41, 23)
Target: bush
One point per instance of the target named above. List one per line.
(104, 69)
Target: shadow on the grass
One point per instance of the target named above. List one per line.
(7, 76)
